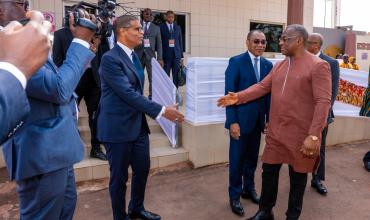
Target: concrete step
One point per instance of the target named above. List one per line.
(91, 169)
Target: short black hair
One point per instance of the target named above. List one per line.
(124, 21)
(170, 12)
(300, 30)
(252, 32)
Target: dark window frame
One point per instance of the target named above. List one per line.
(272, 32)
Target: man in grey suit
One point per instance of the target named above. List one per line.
(152, 42)
(314, 44)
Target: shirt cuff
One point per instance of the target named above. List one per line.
(82, 42)
(161, 113)
(15, 72)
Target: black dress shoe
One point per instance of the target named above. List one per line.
(367, 165)
(237, 207)
(252, 195)
(144, 215)
(98, 153)
(320, 188)
(262, 215)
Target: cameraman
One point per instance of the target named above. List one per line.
(41, 154)
(89, 86)
(19, 59)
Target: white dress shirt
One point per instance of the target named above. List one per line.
(147, 25)
(111, 40)
(169, 26)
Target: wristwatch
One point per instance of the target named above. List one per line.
(314, 138)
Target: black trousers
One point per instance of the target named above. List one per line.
(270, 184)
(88, 90)
(120, 157)
(243, 158)
(174, 65)
(320, 173)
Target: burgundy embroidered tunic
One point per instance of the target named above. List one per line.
(300, 100)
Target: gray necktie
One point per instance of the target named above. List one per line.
(256, 69)
(145, 28)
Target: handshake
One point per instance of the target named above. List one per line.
(27, 47)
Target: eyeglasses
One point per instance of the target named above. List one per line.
(258, 41)
(285, 39)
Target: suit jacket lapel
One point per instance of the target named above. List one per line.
(129, 63)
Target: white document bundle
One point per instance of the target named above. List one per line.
(164, 93)
(205, 83)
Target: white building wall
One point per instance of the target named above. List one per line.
(216, 28)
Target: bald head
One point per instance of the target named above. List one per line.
(314, 43)
(317, 37)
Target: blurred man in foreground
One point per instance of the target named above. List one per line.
(40, 156)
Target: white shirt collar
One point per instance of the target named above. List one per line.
(318, 54)
(252, 56)
(168, 25)
(127, 50)
(147, 24)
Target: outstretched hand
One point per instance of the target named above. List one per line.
(227, 100)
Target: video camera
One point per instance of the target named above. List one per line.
(104, 14)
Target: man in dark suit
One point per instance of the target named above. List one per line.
(40, 156)
(152, 43)
(247, 121)
(122, 124)
(20, 57)
(89, 86)
(314, 44)
(172, 46)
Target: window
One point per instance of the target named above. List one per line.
(272, 33)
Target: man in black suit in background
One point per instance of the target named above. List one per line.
(89, 86)
(314, 44)
(173, 56)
